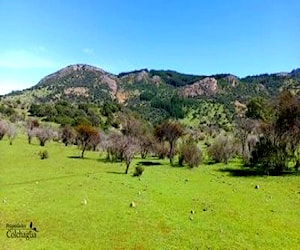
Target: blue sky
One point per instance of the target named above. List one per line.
(245, 37)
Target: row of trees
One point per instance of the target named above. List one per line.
(267, 138)
(135, 136)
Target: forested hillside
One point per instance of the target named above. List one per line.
(93, 95)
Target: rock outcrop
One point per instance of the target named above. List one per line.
(207, 86)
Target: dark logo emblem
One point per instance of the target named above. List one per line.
(19, 230)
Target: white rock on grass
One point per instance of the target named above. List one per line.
(84, 201)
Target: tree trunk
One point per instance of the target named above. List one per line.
(127, 167)
(143, 154)
(297, 166)
(83, 150)
(171, 152)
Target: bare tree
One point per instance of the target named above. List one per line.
(113, 146)
(245, 131)
(11, 133)
(67, 135)
(31, 124)
(161, 150)
(221, 149)
(146, 144)
(43, 134)
(139, 129)
(130, 149)
(121, 147)
(95, 141)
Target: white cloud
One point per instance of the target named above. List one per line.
(88, 51)
(25, 59)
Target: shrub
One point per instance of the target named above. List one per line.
(280, 137)
(3, 129)
(190, 154)
(43, 154)
(138, 171)
(221, 149)
(268, 157)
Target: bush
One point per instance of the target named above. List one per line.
(221, 149)
(280, 137)
(138, 171)
(43, 154)
(268, 157)
(190, 154)
(3, 129)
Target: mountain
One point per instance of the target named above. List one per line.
(158, 94)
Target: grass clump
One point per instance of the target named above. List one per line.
(138, 171)
(44, 155)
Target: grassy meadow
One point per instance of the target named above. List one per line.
(85, 203)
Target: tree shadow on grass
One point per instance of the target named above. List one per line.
(114, 172)
(148, 163)
(244, 172)
(80, 158)
(105, 160)
(75, 157)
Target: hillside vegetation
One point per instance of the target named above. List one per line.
(156, 94)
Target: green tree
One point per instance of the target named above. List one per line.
(85, 135)
(169, 131)
(281, 136)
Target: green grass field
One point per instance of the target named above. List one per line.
(230, 213)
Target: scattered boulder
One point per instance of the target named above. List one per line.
(84, 201)
(132, 204)
(256, 186)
